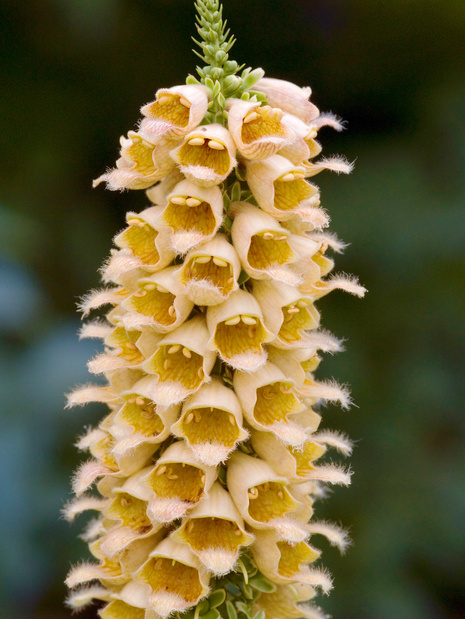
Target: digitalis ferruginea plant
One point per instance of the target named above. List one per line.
(204, 472)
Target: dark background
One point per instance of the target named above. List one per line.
(73, 76)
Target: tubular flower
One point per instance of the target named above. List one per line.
(210, 459)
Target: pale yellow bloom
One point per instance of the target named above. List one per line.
(214, 531)
(262, 245)
(211, 423)
(280, 189)
(258, 131)
(193, 213)
(263, 498)
(210, 272)
(207, 155)
(182, 362)
(238, 332)
(143, 162)
(288, 97)
(175, 577)
(175, 111)
(177, 482)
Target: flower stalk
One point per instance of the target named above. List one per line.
(210, 458)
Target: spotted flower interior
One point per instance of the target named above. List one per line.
(209, 462)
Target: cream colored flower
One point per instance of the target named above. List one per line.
(140, 420)
(289, 97)
(206, 156)
(211, 423)
(175, 576)
(237, 331)
(177, 482)
(280, 189)
(142, 162)
(193, 213)
(283, 562)
(175, 111)
(283, 603)
(159, 302)
(295, 463)
(304, 146)
(287, 313)
(214, 531)
(262, 244)
(258, 131)
(263, 498)
(112, 572)
(182, 362)
(210, 272)
(147, 239)
(270, 404)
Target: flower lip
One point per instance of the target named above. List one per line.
(237, 331)
(178, 481)
(211, 423)
(193, 213)
(210, 272)
(289, 97)
(207, 155)
(176, 578)
(258, 131)
(176, 111)
(182, 362)
(262, 244)
(158, 302)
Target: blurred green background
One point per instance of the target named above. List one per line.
(73, 76)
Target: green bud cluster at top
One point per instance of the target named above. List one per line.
(220, 74)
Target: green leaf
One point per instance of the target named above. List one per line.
(262, 584)
(217, 598)
(203, 607)
(236, 192)
(231, 610)
(259, 615)
(212, 614)
(242, 607)
(243, 277)
(247, 591)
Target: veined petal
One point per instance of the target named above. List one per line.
(80, 598)
(287, 313)
(159, 302)
(175, 576)
(258, 131)
(193, 213)
(295, 463)
(268, 401)
(280, 189)
(215, 531)
(117, 609)
(262, 497)
(142, 163)
(182, 362)
(140, 420)
(289, 97)
(207, 155)
(283, 603)
(120, 537)
(237, 331)
(84, 394)
(176, 111)
(96, 298)
(262, 244)
(147, 238)
(283, 562)
(211, 423)
(177, 482)
(304, 146)
(210, 272)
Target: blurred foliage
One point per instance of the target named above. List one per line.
(74, 74)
